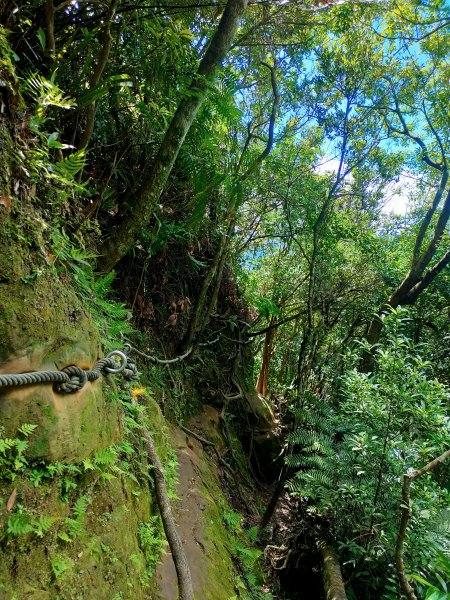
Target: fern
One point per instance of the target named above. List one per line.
(232, 520)
(310, 438)
(70, 166)
(152, 542)
(45, 93)
(7, 444)
(12, 453)
(19, 524)
(27, 429)
(111, 317)
(75, 526)
(105, 457)
(313, 451)
(300, 461)
(42, 525)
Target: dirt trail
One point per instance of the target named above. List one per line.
(199, 520)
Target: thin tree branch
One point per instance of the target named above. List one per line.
(408, 478)
(277, 324)
(97, 73)
(406, 131)
(272, 119)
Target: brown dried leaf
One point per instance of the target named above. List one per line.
(11, 500)
(172, 320)
(5, 201)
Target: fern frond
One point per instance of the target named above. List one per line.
(310, 438)
(300, 461)
(26, 429)
(70, 166)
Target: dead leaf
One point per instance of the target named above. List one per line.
(172, 320)
(11, 500)
(5, 201)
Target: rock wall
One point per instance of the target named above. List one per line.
(69, 526)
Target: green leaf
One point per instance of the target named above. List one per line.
(27, 428)
(42, 37)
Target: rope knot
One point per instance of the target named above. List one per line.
(76, 379)
(131, 372)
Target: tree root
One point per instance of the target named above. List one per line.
(185, 589)
(278, 556)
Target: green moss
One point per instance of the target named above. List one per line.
(105, 556)
(219, 572)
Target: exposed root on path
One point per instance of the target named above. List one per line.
(185, 589)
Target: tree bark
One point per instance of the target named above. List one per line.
(198, 314)
(261, 386)
(141, 203)
(97, 73)
(333, 582)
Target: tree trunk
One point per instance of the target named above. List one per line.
(332, 576)
(97, 73)
(141, 204)
(421, 274)
(261, 386)
(198, 316)
(408, 478)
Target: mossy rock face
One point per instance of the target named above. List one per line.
(103, 562)
(43, 326)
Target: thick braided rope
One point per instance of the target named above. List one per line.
(70, 379)
(30, 378)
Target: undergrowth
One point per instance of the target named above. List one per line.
(250, 584)
(77, 482)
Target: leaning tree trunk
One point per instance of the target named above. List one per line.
(428, 239)
(331, 570)
(198, 313)
(141, 204)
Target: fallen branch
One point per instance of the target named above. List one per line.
(160, 361)
(199, 438)
(332, 576)
(185, 589)
(406, 514)
(168, 361)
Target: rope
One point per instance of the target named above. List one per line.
(72, 379)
